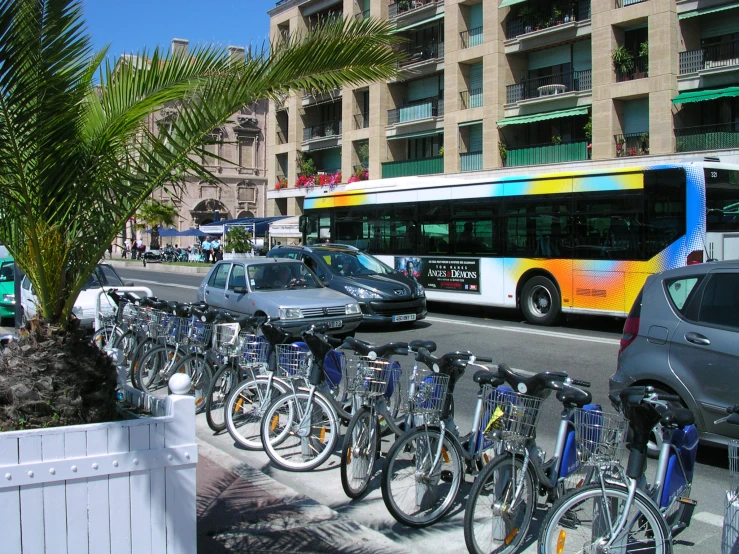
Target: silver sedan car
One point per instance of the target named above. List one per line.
(285, 290)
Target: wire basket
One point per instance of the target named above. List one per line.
(156, 323)
(734, 465)
(129, 312)
(600, 436)
(370, 377)
(226, 339)
(255, 349)
(197, 333)
(512, 414)
(293, 361)
(429, 394)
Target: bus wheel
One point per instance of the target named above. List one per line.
(541, 302)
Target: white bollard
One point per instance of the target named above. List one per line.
(180, 383)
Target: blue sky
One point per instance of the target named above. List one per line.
(130, 25)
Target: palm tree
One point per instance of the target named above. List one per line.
(153, 214)
(78, 152)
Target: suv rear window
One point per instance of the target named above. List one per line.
(680, 289)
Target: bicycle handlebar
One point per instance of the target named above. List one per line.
(579, 383)
(668, 397)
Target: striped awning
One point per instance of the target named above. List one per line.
(520, 119)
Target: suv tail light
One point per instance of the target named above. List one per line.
(631, 331)
(695, 257)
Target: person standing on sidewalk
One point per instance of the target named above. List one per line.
(206, 249)
(126, 249)
(216, 246)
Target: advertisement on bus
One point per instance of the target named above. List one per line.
(442, 274)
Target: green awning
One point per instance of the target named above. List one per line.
(696, 13)
(417, 135)
(468, 123)
(419, 23)
(703, 95)
(519, 119)
(506, 3)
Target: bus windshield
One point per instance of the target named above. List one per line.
(722, 200)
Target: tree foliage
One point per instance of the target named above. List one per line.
(154, 214)
(238, 239)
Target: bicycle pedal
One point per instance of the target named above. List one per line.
(687, 501)
(446, 476)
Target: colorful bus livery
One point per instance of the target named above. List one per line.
(581, 242)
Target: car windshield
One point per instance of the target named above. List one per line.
(103, 276)
(281, 277)
(354, 263)
(6, 272)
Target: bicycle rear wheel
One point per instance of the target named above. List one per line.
(490, 525)
(358, 454)
(244, 409)
(581, 521)
(155, 368)
(223, 381)
(419, 490)
(312, 431)
(200, 372)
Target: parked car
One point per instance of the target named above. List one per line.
(383, 294)
(682, 337)
(104, 276)
(285, 290)
(7, 288)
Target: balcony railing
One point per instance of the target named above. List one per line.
(639, 70)
(423, 52)
(545, 19)
(725, 54)
(361, 120)
(624, 3)
(547, 153)
(550, 85)
(471, 98)
(322, 130)
(471, 38)
(707, 137)
(418, 109)
(632, 144)
(470, 161)
(409, 168)
(404, 6)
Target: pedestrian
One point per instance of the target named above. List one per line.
(206, 249)
(216, 249)
(126, 248)
(110, 251)
(140, 248)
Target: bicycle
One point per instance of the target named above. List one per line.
(114, 327)
(730, 530)
(620, 511)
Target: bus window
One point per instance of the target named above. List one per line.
(353, 227)
(404, 235)
(536, 227)
(608, 225)
(665, 209)
(722, 200)
(476, 230)
(434, 221)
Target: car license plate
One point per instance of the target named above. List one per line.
(406, 317)
(333, 324)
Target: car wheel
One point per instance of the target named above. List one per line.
(540, 302)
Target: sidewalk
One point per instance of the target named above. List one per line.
(240, 509)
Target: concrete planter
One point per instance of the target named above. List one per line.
(237, 255)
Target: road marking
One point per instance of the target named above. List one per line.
(553, 334)
(190, 287)
(711, 519)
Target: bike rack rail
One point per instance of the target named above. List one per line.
(146, 290)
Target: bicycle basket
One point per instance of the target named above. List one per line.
(198, 333)
(293, 360)
(429, 395)
(372, 376)
(128, 312)
(600, 436)
(226, 338)
(734, 465)
(512, 414)
(156, 323)
(255, 349)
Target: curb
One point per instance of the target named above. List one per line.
(355, 536)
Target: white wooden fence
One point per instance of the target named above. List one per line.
(120, 487)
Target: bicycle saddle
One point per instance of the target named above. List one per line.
(363, 348)
(574, 398)
(427, 344)
(677, 417)
(535, 385)
(484, 377)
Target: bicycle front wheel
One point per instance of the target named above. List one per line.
(583, 521)
(495, 519)
(419, 480)
(299, 435)
(358, 454)
(155, 368)
(221, 385)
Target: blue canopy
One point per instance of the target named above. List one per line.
(193, 233)
(165, 232)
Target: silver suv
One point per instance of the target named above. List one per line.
(285, 290)
(682, 336)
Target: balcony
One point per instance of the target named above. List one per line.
(550, 85)
(403, 7)
(361, 120)
(471, 98)
(707, 137)
(470, 161)
(409, 168)
(554, 17)
(422, 53)
(624, 3)
(632, 144)
(416, 110)
(711, 57)
(547, 154)
(322, 130)
(639, 70)
(471, 38)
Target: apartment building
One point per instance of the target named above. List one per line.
(504, 83)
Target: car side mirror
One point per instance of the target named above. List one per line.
(240, 290)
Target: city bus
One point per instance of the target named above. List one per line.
(570, 242)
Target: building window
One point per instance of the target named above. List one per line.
(246, 193)
(212, 149)
(246, 152)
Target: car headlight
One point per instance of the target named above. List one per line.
(291, 313)
(10, 298)
(361, 292)
(419, 290)
(353, 309)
